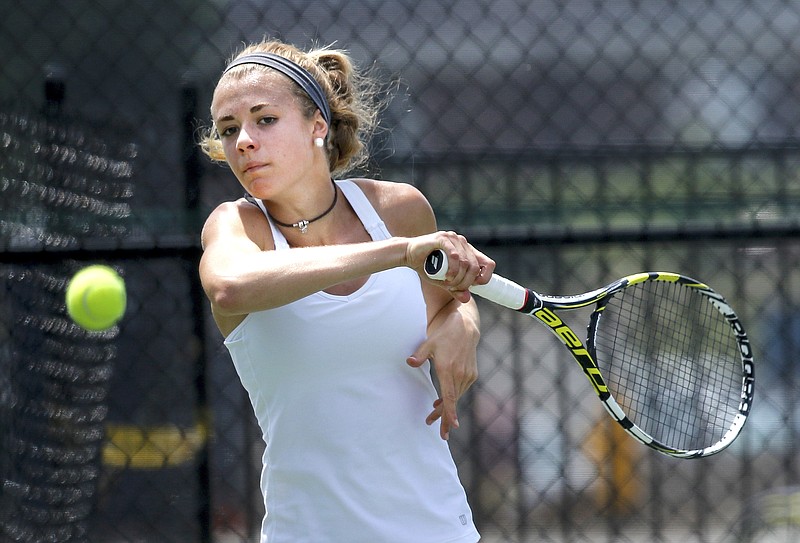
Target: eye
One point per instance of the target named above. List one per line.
(226, 131)
(267, 119)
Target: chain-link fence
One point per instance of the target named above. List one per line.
(574, 141)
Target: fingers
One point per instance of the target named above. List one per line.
(415, 361)
(463, 266)
(453, 383)
(462, 296)
(443, 409)
(466, 266)
(449, 414)
(486, 269)
(436, 414)
(454, 380)
(447, 423)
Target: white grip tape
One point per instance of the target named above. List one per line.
(502, 291)
(498, 290)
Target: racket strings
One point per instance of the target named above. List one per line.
(671, 360)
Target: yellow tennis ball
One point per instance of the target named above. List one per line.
(96, 297)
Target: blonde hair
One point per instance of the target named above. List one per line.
(351, 94)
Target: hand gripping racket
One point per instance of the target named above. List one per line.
(666, 355)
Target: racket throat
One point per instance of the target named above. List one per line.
(532, 302)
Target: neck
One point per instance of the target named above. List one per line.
(304, 223)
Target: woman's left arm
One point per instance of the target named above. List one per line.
(451, 346)
(453, 322)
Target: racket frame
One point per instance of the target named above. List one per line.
(543, 308)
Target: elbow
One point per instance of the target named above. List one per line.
(227, 296)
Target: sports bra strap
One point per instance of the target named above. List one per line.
(373, 224)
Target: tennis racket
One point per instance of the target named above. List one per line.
(666, 355)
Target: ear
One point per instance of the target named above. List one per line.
(320, 127)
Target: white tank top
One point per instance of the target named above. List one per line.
(348, 455)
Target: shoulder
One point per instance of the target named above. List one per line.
(403, 208)
(234, 219)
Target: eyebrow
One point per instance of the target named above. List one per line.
(255, 109)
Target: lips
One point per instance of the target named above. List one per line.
(251, 167)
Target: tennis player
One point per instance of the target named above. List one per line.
(316, 286)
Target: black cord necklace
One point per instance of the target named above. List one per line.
(302, 225)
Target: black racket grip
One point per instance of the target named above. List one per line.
(436, 265)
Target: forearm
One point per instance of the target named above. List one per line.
(466, 315)
(268, 279)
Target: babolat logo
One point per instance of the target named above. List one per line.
(575, 346)
(747, 363)
(744, 349)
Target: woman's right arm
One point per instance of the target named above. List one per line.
(241, 273)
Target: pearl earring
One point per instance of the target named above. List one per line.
(319, 142)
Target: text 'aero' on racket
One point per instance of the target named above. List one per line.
(666, 355)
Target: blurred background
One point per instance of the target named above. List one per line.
(574, 141)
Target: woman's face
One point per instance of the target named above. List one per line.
(267, 140)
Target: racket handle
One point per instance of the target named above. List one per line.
(498, 290)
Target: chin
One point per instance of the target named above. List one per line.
(261, 189)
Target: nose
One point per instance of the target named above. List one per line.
(245, 142)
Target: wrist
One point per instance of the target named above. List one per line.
(393, 253)
(401, 252)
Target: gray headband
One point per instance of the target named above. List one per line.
(293, 71)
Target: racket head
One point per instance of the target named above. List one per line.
(675, 359)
